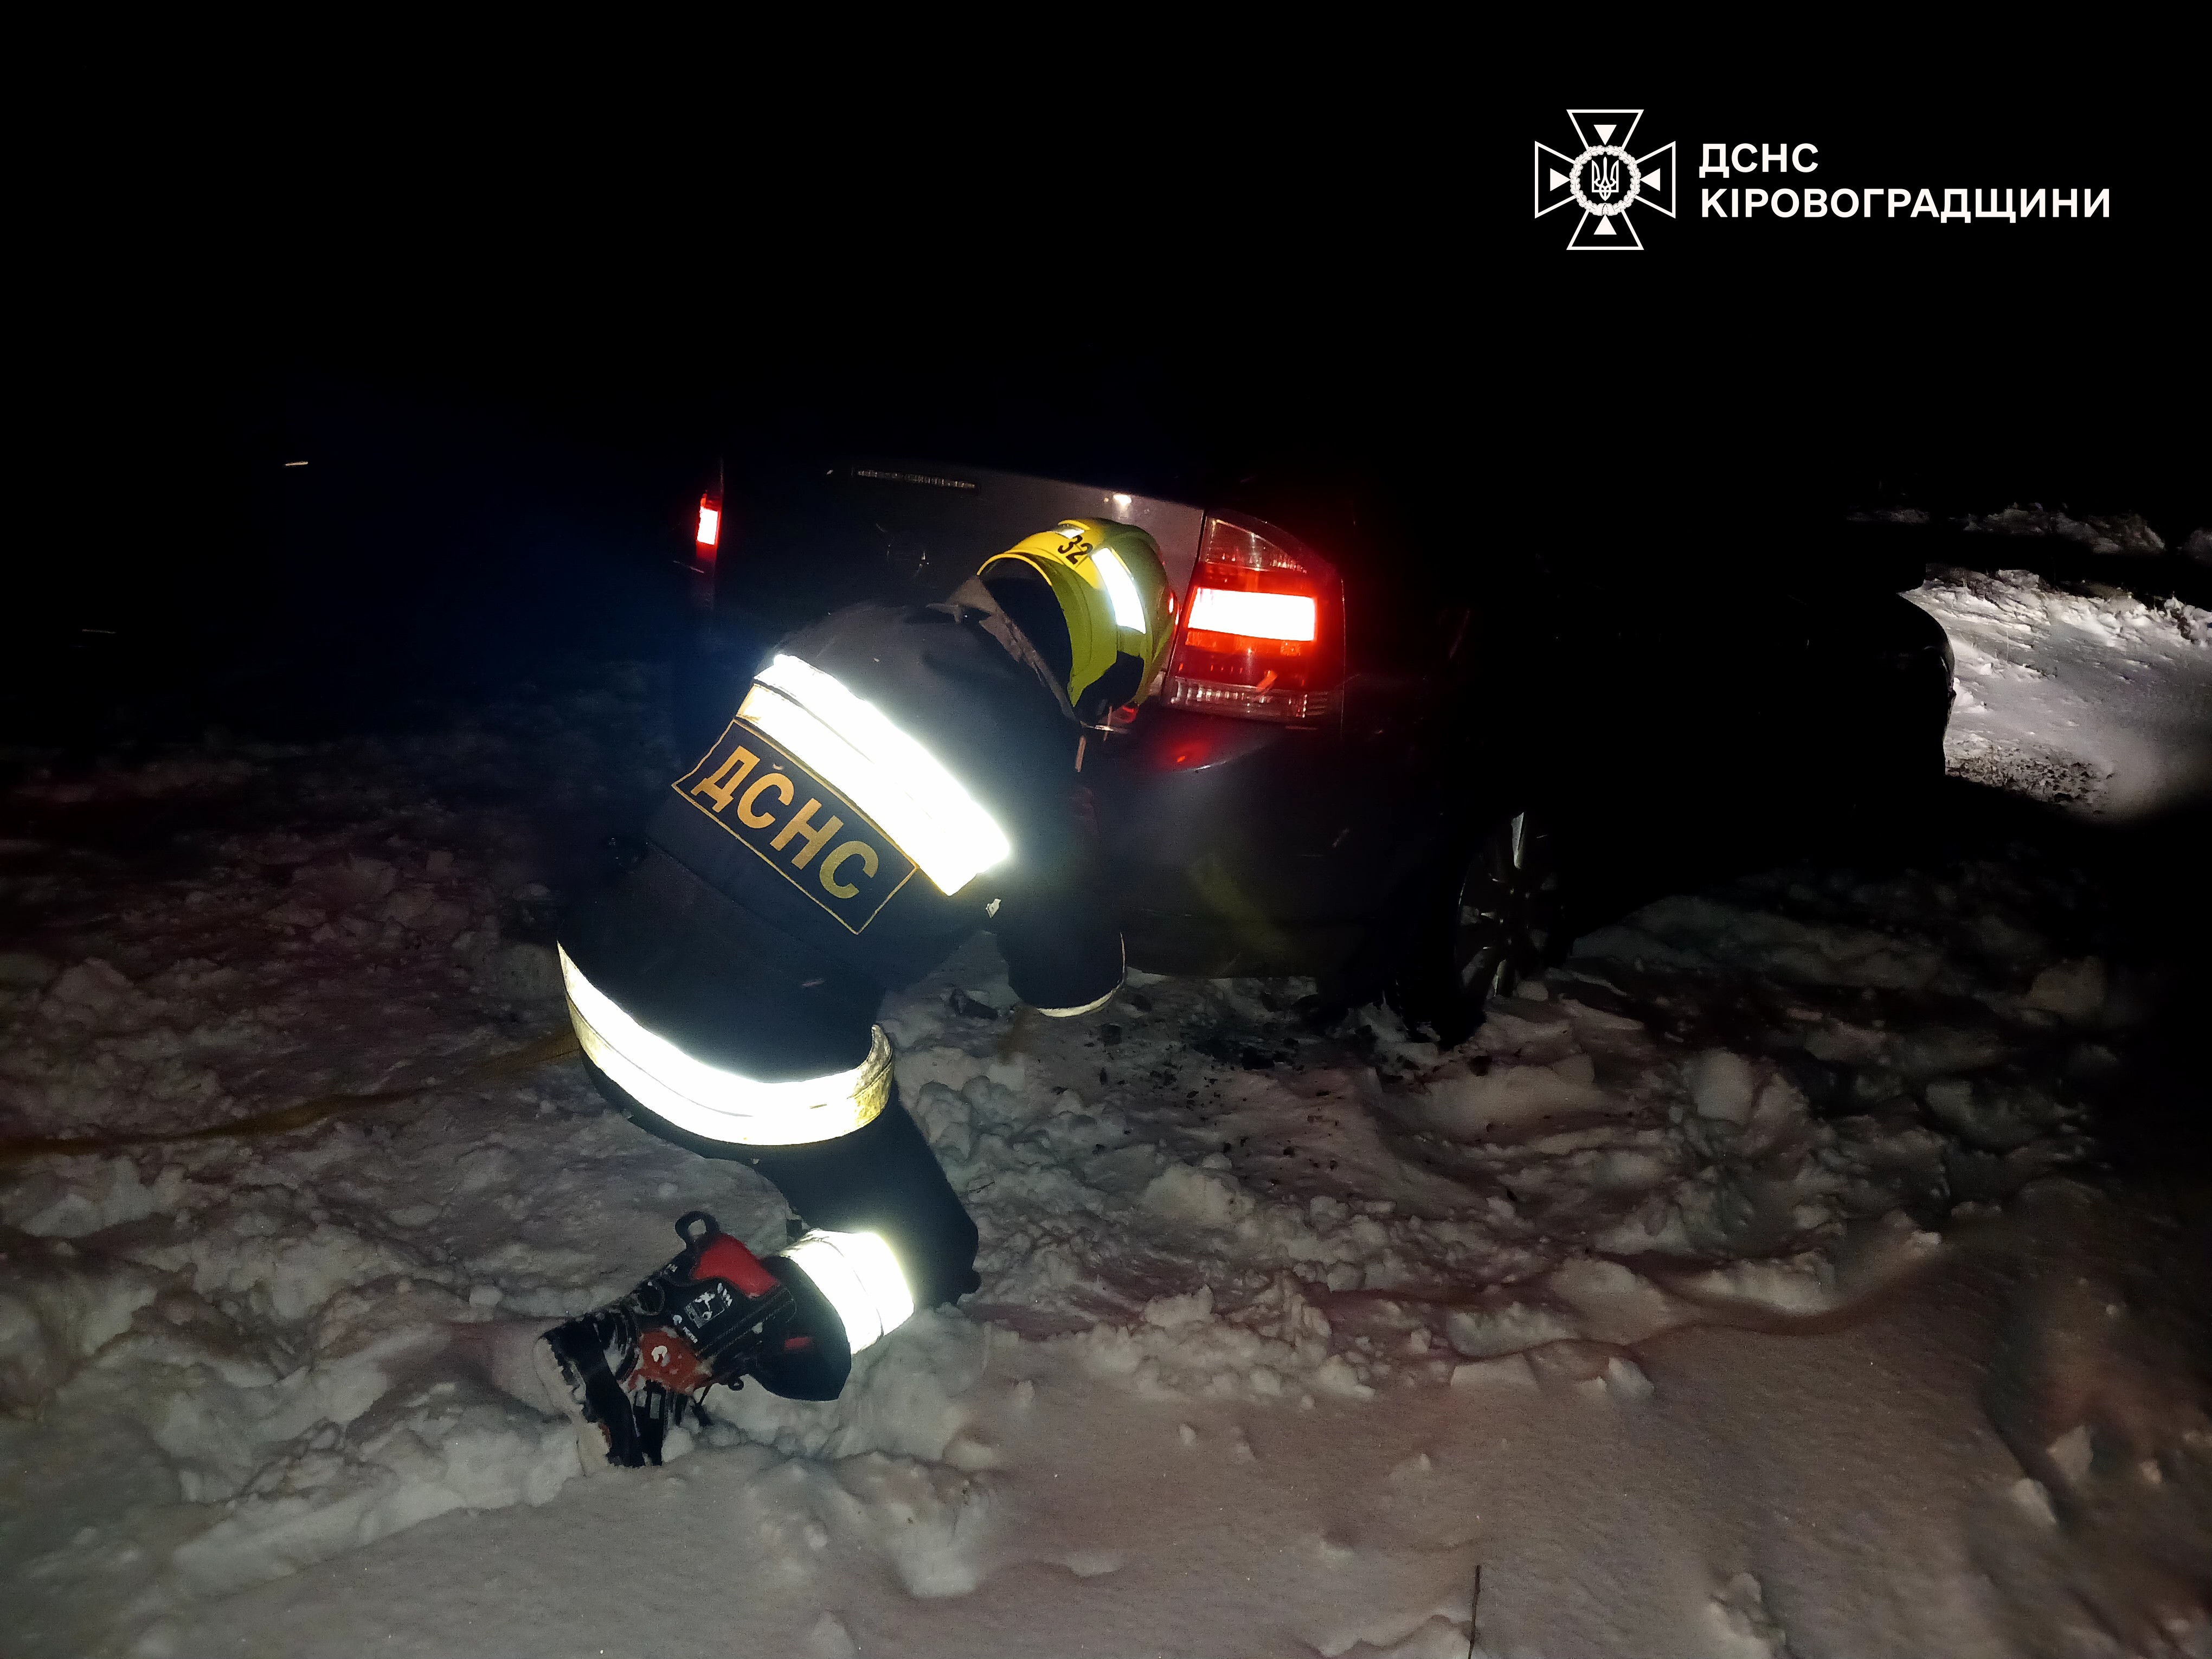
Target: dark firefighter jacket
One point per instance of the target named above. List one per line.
(754, 940)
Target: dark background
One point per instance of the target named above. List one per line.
(507, 356)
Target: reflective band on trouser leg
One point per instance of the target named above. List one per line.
(861, 1278)
(716, 1104)
(1096, 1003)
(1090, 1007)
(883, 1180)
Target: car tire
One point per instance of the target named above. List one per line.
(1489, 919)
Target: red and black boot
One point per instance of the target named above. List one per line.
(716, 1314)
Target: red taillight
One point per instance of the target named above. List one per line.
(1290, 617)
(1263, 634)
(710, 525)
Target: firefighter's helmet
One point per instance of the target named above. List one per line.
(1112, 594)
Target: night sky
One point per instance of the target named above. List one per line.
(509, 355)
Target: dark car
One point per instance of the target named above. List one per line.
(1379, 784)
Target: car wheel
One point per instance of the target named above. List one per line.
(1493, 921)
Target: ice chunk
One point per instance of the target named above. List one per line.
(2032, 1499)
(107, 1194)
(1742, 1626)
(1723, 1084)
(1625, 1380)
(92, 993)
(54, 1316)
(1173, 1312)
(1184, 1193)
(1613, 1303)
(2124, 533)
(2070, 1453)
(2072, 990)
(1481, 1335)
(1995, 1119)
(929, 1520)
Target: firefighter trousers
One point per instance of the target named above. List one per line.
(881, 1178)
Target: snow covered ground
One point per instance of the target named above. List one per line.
(1748, 1289)
(2096, 701)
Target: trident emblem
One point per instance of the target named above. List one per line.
(1605, 177)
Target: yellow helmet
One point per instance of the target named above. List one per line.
(1113, 595)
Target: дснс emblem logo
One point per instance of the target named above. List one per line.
(1606, 180)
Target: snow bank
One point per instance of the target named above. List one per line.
(2116, 534)
(2099, 703)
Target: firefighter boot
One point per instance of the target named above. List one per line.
(629, 1371)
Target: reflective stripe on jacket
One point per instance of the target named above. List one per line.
(894, 779)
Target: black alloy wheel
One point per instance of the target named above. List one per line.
(1493, 922)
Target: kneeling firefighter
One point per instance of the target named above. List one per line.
(894, 779)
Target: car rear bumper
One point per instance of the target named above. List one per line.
(1238, 846)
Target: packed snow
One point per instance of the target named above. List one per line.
(1746, 1287)
(2097, 700)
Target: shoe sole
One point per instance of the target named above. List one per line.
(591, 1439)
